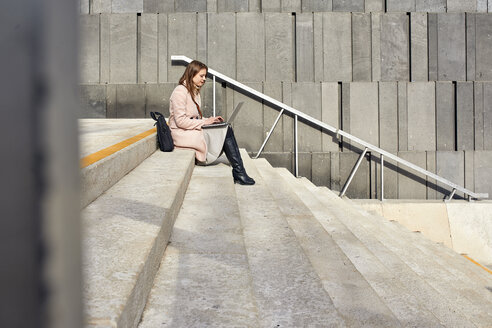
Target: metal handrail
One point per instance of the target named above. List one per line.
(297, 114)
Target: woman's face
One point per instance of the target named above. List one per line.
(199, 79)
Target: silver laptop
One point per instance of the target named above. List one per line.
(229, 121)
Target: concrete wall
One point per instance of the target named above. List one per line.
(278, 46)
(298, 6)
(410, 76)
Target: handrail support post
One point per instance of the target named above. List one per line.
(296, 150)
(214, 96)
(382, 177)
(451, 195)
(361, 157)
(269, 133)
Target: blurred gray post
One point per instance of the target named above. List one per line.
(40, 273)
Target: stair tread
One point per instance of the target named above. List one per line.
(474, 313)
(204, 276)
(121, 230)
(352, 295)
(287, 288)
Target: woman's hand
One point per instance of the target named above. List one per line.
(214, 119)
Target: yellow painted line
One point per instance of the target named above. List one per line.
(97, 156)
(475, 262)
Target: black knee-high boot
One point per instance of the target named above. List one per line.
(232, 152)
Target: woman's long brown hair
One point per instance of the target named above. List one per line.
(191, 70)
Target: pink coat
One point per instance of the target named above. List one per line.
(185, 126)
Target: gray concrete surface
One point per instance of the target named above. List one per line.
(451, 53)
(125, 233)
(96, 135)
(337, 47)
(279, 48)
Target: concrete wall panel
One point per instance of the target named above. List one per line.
(271, 6)
(348, 5)
(316, 6)
(337, 47)
(84, 7)
(483, 172)
(464, 116)
(335, 183)
(127, 6)
(400, 5)
(101, 6)
(150, 6)
(460, 6)
(248, 125)
(190, 5)
(451, 52)
(279, 159)
(181, 41)
(222, 43)
(421, 116)
(318, 47)
(270, 114)
(394, 47)
(89, 48)
(388, 116)
(482, 6)
(130, 101)
(305, 165)
(445, 115)
(157, 98)
(432, 39)
(255, 6)
(374, 5)
(360, 185)
(148, 49)
(483, 47)
(451, 166)
(202, 31)
(250, 47)
(431, 183)
(104, 57)
(287, 120)
(165, 6)
(330, 113)
(470, 169)
(162, 46)
(478, 115)
(419, 47)
(361, 43)
(321, 169)
(487, 116)
(304, 48)
(364, 106)
(402, 116)
(92, 101)
(471, 46)
(290, 6)
(390, 177)
(306, 97)
(412, 185)
(431, 6)
(123, 48)
(232, 5)
(280, 47)
(111, 101)
(376, 46)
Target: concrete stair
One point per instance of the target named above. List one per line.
(285, 253)
(138, 192)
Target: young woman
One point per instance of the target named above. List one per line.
(186, 121)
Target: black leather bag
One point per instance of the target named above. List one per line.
(164, 137)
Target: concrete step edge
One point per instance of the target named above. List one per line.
(441, 311)
(289, 292)
(352, 294)
(100, 176)
(126, 231)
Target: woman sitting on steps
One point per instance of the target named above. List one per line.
(186, 121)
